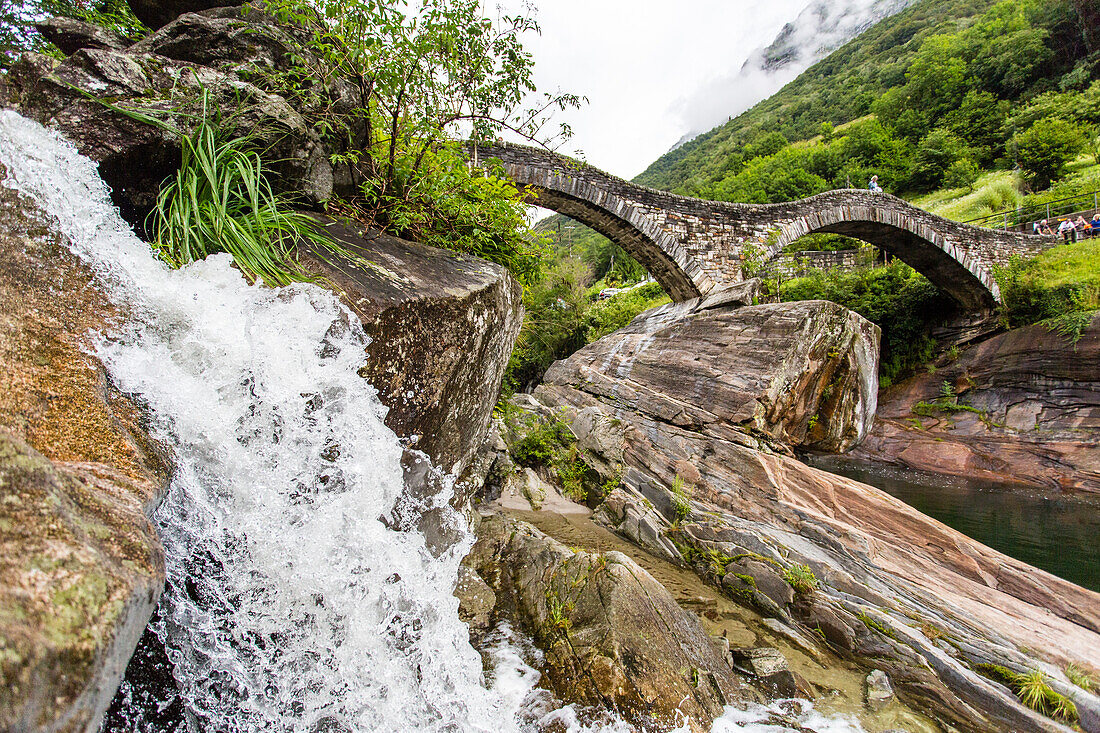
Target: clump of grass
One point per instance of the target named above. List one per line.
(1060, 281)
(221, 201)
(875, 625)
(1079, 677)
(801, 578)
(680, 494)
(1033, 690)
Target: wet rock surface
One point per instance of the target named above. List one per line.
(612, 635)
(1032, 417)
(869, 576)
(81, 567)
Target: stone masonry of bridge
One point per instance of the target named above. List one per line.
(694, 246)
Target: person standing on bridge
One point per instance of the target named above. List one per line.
(873, 186)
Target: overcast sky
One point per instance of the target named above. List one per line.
(652, 70)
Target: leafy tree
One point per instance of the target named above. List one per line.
(937, 78)
(1046, 148)
(980, 120)
(934, 156)
(421, 76)
(962, 173)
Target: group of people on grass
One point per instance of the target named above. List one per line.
(1070, 229)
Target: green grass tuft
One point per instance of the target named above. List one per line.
(221, 201)
(1079, 677)
(801, 578)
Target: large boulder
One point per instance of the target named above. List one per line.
(612, 635)
(803, 374)
(442, 326)
(80, 564)
(1032, 417)
(88, 96)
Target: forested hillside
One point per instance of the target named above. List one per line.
(933, 95)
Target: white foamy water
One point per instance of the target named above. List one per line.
(290, 604)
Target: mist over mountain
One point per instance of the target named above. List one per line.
(819, 28)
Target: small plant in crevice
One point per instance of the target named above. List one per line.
(1079, 677)
(875, 625)
(801, 578)
(1034, 691)
(556, 610)
(680, 495)
(220, 200)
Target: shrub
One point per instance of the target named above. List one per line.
(1056, 283)
(1046, 148)
(901, 301)
(801, 578)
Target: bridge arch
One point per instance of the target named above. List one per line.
(616, 218)
(895, 226)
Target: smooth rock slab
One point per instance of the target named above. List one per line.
(81, 567)
(804, 374)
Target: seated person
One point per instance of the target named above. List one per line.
(1044, 228)
(1067, 230)
(1095, 223)
(873, 185)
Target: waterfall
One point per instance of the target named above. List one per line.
(290, 604)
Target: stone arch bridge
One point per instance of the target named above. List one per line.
(693, 246)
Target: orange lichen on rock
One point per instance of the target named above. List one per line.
(81, 567)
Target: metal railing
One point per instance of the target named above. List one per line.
(1023, 216)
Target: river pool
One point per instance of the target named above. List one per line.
(1058, 534)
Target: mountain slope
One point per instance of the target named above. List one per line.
(843, 87)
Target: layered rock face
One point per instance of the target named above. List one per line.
(1033, 417)
(800, 374)
(700, 463)
(81, 567)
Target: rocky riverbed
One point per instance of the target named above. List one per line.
(692, 463)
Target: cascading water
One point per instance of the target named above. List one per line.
(291, 604)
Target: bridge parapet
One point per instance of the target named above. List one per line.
(692, 246)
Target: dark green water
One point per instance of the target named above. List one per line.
(1059, 535)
